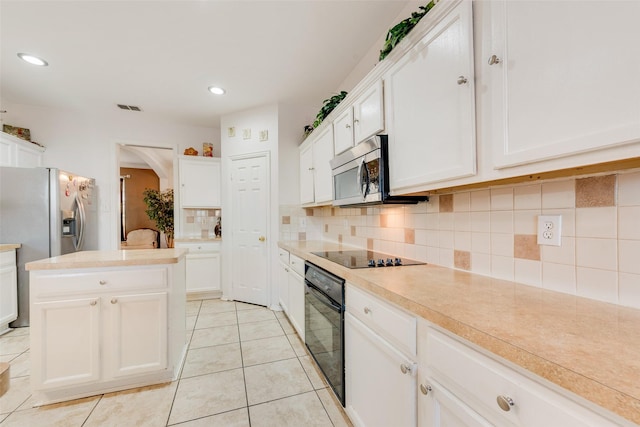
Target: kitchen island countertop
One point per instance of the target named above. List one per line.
(588, 347)
(117, 258)
(4, 247)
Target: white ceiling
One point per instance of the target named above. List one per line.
(162, 55)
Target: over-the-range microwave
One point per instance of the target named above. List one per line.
(361, 176)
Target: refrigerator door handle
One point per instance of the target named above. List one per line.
(79, 240)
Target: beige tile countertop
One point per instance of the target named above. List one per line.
(4, 247)
(97, 259)
(588, 347)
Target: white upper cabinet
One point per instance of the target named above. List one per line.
(563, 77)
(343, 131)
(199, 182)
(316, 183)
(430, 102)
(16, 152)
(363, 119)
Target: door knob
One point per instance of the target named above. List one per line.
(425, 388)
(262, 238)
(462, 80)
(493, 59)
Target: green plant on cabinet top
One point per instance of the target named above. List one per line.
(400, 30)
(329, 105)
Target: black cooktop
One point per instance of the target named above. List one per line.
(365, 259)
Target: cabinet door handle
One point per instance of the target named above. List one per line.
(310, 169)
(103, 282)
(262, 238)
(505, 403)
(425, 388)
(94, 302)
(462, 80)
(286, 269)
(114, 300)
(347, 125)
(493, 59)
(356, 121)
(407, 368)
(367, 310)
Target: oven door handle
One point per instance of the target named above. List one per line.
(323, 298)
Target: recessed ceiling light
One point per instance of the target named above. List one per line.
(33, 59)
(216, 90)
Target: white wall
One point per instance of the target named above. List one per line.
(85, 144)
(371, 58)
(285, 125)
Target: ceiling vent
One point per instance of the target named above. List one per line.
(129, 107)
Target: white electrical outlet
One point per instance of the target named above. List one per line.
(549, 229)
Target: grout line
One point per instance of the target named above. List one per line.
(244, 377)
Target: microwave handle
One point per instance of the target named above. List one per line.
(363, 179)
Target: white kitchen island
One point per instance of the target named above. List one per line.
(103, 321)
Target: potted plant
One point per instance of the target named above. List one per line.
(160, 209)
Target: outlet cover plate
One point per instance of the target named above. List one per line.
(549, 229)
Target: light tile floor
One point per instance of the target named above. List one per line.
(245, 366)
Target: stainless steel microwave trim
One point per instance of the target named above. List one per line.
(357, 159)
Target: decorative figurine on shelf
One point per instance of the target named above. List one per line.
(190, 152)
(207, 149)
(218, 228)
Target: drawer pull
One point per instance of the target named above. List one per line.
(493, 59)
(505, 403)
(94, 302)
(103, 282)
(367, 310)
(114, 300)
(425, 388)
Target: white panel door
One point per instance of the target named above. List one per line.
(568, 87)
(368, 113)
(343, 131)
(250, 212)
(138, 339)
(66, 334)
(306, 174)
(8, 294)
(377, 393)
(322, 156)
(431, 107)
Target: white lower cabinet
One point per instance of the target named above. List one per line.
(380, 379)
(67, 358)
(131, 330)
(203, 267)
(8, 289)
(470, 388)
(97, 331)
(296, 294)
(283, 280)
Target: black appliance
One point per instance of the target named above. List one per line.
(324, 324)
(365, 259)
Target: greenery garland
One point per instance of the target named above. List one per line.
(400, 30)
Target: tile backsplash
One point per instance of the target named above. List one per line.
(492, 231)
(199, 223)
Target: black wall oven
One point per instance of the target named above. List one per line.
(324, 324)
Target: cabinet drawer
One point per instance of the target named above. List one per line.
(391, 322)
(199, 246)
(46, 284)
(480, 381)
(283, 255)
(297, 264)
(7, 258)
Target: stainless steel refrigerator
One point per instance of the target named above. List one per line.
(50, 212)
